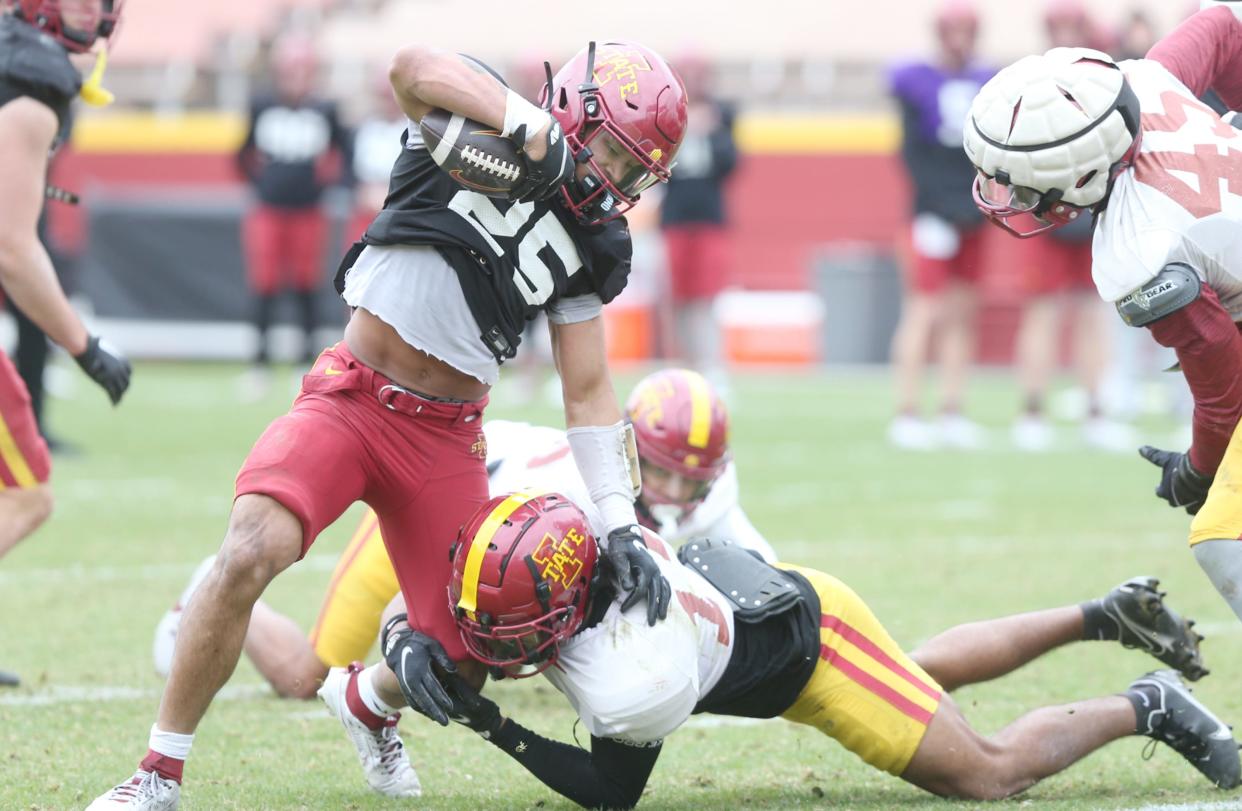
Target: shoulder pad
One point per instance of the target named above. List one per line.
(754, 589)
(29, 56)
(1175, 286)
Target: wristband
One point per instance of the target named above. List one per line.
(520, 112)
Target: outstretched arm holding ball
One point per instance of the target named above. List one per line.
(424, 79)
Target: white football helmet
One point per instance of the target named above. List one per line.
(1233, 5)
(1048, 135)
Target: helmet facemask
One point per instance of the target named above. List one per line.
(516, 651)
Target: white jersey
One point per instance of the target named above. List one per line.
(1182, 199)
(625, 679)
(533, 456)
(637, 682)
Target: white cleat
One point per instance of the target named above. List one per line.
(1032, 434)
(254, 385)
(166, 632)
(911, 434)
(381, 751)
(1104, 434)
(145, 791)
(959, 432)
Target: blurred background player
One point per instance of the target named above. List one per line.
(1164, 249)
(376, 146)
(294, 149)
(690, 489)
(695, 223)
(38, 83)
(945, 250)
(1056, 274)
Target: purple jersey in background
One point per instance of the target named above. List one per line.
(934, 105)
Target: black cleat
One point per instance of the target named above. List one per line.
(8, 679)
(1179, 720)
(1145, 622)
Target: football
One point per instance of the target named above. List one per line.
(475, 155)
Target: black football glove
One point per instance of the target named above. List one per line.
(411, 655)
(105, 364)
(543, 178)
(1180, 484)
(634, 571)
(472, 710)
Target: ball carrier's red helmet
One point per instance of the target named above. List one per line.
(50, 16)
(523, 572)
(624, 98)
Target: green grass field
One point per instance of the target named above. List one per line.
(929, 540)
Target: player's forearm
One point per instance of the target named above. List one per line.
(432, 78)
(1206, 52)
(573, 772)
(1209, 350)
(28, 278)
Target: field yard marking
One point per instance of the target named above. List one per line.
(1227, 805)
(95, 694)
(149, 571)
(713, 721)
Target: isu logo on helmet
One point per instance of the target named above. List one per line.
(1048, 135)
(522, 574)
(620, 101)
(682, 427)
(75, 24)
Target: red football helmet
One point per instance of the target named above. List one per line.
(680, 425)
(522, 573)
(53, 17)
(621, 99)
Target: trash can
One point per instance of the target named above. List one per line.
(861, 290)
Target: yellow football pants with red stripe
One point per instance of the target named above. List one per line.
(1220, 518)
(865, 692)
(362, 585)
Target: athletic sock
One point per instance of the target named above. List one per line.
(166, 753)
(364, 702)
(1096, 624)
(1146, 699)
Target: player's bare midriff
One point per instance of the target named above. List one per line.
(379, 346)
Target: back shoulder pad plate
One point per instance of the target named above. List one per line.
(1175, 286)
(755, 589)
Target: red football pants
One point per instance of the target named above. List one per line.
(352, 435)
(24, 460)
(284, 249)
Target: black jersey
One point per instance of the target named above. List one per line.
(285, 149)
(35, 65)
(512, 259)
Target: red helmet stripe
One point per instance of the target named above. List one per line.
(468, 601)
(700, 410)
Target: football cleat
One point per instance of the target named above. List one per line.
(8, 679)
(911, 434)
(381, 751)
(145, 791)
(1146, 623)
(166, 631)
(1179, 720)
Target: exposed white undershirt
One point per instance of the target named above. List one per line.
(413, 290)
